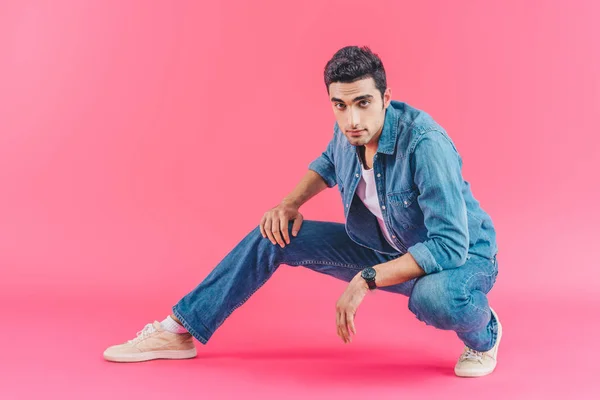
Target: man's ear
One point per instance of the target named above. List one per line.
(387, 97)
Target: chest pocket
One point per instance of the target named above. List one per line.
(405, 209)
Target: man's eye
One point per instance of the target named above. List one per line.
(366, 103)
(340, 106)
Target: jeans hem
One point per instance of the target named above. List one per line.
(494, 330)
(202, 339)
(494, 334)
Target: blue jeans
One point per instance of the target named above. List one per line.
(452, 299)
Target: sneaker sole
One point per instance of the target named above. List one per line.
(468, 374)
(153, 355)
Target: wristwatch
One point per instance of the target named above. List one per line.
(368, 274)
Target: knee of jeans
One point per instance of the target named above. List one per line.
(273, 252)
(436, 304)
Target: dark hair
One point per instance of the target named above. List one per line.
(352, 63)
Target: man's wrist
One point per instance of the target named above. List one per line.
(360, 281)
(290, 202)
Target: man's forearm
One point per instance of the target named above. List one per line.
(398, 270)
(309, 186)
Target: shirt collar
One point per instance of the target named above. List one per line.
(389, 133)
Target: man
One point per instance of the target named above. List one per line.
(412, 227)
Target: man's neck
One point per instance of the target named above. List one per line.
(366, 156)
(368, 150)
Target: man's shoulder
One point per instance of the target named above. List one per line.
(416, 125)
(413, 118)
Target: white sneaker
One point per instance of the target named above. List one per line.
(151, 343)
(473, 363)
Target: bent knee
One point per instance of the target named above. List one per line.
(440, 305)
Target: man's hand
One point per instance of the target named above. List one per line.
(274, 223)
(347, 306)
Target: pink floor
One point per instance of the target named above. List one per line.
(53, 349)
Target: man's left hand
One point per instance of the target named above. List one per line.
(347, 306)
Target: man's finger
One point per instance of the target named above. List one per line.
(343, 326)
(347, 317)
(350, 319)
(262, 226)
(297, 224)
(268, 231)
(341, 334)
(283, 225)
(275, 230)
(338, 323)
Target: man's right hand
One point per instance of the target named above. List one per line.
(274, 223)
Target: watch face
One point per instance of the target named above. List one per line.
(368, 273)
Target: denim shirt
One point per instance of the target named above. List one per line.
(427, 206)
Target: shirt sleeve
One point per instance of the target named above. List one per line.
(324, 166)
(437, 173)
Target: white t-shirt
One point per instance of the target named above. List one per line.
(367, 192)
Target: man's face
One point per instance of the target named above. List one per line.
(359, 110)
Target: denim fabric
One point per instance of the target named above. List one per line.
(427, 207)
(426, 204)
(452, 299)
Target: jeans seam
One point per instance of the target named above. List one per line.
(348, 266)
(464, 289)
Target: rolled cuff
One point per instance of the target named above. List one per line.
(324, 168)
(424, 258)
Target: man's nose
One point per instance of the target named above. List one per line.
(354, 118)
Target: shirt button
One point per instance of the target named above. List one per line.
(356, 175)
(346, 205)
(405, 202)
(393, 236)
(378, 175)
(383, 207)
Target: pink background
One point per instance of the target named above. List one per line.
(140, 141)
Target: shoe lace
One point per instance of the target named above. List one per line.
(144, 333)
(474, 355)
